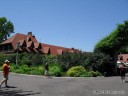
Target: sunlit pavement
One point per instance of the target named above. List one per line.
(23, 85)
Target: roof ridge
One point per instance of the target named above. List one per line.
(56, 46)
(18, 34)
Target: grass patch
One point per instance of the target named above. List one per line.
(24, 69)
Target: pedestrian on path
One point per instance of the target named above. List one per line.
(5, 69)
(122, 71)
(46, 69)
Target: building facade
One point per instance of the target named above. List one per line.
(28, 43)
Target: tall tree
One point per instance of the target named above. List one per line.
(6, 28)
(114, 42)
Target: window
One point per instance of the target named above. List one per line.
(9, 47)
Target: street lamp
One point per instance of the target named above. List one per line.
(17, 47)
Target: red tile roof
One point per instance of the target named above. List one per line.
(9, 40)
(35, 50)
(21, 42)
(60, 51)
(20, 49)
(29, 43)
(36, 45)
(28, 50)
(53, 49)
(46, 50)
(123, 58)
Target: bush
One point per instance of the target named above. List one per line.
(55, 71)
(2, 58)
(76, 71)
(94, 74)
(37, 70)
(10, 57)
(0, 68)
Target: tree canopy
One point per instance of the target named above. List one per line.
(112, 43)
(6, 28)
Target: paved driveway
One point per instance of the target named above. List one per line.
(23, 85)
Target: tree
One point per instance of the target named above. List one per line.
(68, 60)
(6, 28)
(124, 50)
(113, 43)
(99, 62)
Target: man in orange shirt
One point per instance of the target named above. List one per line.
(5, 68)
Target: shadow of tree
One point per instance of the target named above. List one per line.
(16, 93)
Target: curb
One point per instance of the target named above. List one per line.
(39, 76)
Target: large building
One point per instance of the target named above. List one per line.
(28, 43)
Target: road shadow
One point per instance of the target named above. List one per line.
(10, 87)
(126, 81)
(17, 93)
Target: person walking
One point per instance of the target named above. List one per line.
(5, 69)
(122, 72)
(46, 69)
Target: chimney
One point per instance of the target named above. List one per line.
(30, 33)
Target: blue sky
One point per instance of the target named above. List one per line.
(68, 23)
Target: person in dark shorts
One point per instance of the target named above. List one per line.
(122, 72)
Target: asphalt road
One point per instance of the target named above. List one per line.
(23, 85)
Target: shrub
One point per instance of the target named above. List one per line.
(94, 74)
(24, 69)
(55, 71)
(37, 70)
(76, 71)
(98, 73)
(19, 71)
(3, 57)
(0, 68)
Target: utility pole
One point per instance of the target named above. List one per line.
(17, 47)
